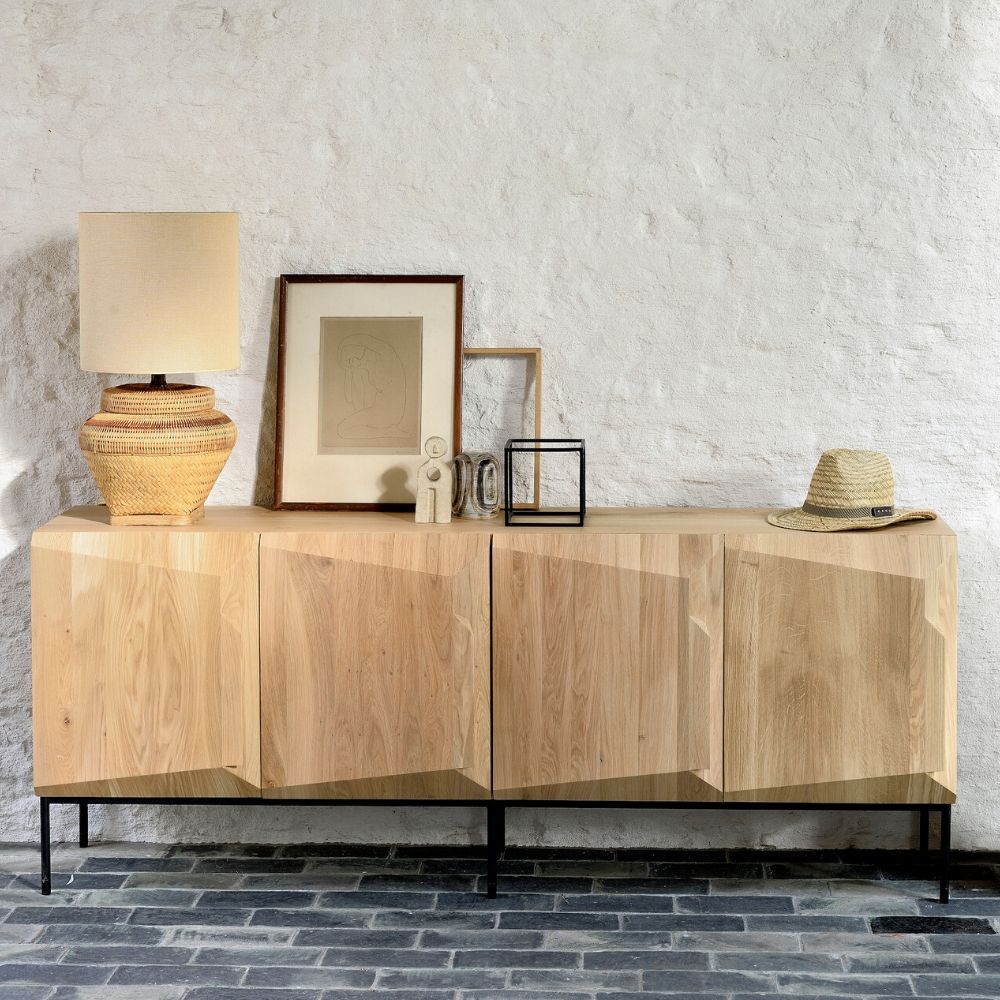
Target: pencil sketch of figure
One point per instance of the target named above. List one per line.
(370, 385)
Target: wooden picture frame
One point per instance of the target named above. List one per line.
(535, 353)
(374, 365)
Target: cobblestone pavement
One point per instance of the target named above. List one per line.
(141, 922)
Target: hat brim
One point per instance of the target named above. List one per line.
(798, 520)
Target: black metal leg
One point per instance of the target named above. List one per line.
(84, 826)
(945, 853)
(495, 835)
(925, 830)
(46, 849)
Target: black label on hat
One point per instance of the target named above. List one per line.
(881, 511)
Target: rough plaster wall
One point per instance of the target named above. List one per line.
(742, 232)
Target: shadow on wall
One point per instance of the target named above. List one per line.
(45, 398)
(263, 492)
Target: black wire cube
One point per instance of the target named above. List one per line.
(513, 513)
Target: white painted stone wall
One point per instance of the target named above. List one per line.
(741, 231)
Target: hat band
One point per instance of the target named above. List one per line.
(853, 512)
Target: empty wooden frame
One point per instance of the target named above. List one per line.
(535, 353)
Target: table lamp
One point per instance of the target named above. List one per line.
(159, 294)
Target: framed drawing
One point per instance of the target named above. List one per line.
(369, 366)
(534, 354)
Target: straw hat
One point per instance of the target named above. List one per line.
(849, 489)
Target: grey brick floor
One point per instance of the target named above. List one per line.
(139, 922)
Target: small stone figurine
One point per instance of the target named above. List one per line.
(434, 485)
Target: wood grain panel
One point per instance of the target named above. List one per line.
(840, 667)
(145, 663)
(375, 665)
(607, 666)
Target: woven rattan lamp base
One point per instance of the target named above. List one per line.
(156, 451)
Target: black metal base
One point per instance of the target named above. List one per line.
(496, 820)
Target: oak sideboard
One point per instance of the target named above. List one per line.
(654, 657)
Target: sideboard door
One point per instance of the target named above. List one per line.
(375, 664)
(145, 663)
(840, 667)
(607, 666)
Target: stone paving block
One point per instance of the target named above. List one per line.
(307, 882)
(515, 884)
(30, 953)
(645, 959)
(309, 851)
(700, 870)
(521, 995)
(708, 982)
(180, 880)
(957, 986)
(418, 883)
(164, 916)
(441, 979)
(577, 979)
(618, 903)
(224, 937)
(107, 992)
(250, 866)
(482, 940)
(112, 934)
(224, 850)
(472, 866)
(469, 919)
(398, 995)
(682, 922)
(136, 864)
(368, 866)
(524, 959)
(70, 880)
(255, 899)
(181, 975)
(257, 993)
(931, 925)
(777, 961)
(136, 897)
(660, 886)
(361, 899)
(806, 923)
(349, 937)
(591, 869)
(835, 943)
(127, 954)
(308, 918)
(917, 962)
(54, 974)
(730, 941)
(529, 920)
(821, 870)
(255, 954)
(968, 907)
(386, 958)
(505, 901)
(605, 940)
(20, 933)
(857, 905)
(735, 904)
(769, 887)
(10, 992)
(68, 914)
(319, 978)
(894, 986)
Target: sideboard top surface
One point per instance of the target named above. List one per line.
(674, 520)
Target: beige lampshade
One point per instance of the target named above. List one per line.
(159, 292)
